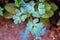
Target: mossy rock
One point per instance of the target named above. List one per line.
(10, 7)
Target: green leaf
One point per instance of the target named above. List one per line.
(53, 6)
(48, 14)
(18, 3)
(7, 15)
(10, 8)
(47, 6)
(26, 0)
(1, 11)
(45, 21)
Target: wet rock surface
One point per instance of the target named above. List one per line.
(10, 31)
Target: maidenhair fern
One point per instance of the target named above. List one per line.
(35, 28)
(41, 8)
(24, 35)
(19, 17)
(41, 0)
(36, 12)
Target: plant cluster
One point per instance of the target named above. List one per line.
(36, 14)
